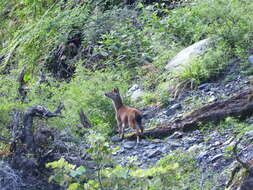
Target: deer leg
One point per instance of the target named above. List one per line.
(119, 124)
(122, 131)
(137, 135)
(137, 132)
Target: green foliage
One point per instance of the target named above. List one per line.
(113, 44)
(72, 178)
(203, 67)
(227, 24)
(177, 171)
(65, 174)
(229, 123)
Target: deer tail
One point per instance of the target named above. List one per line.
(138, 119)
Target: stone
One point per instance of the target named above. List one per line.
(133, 88)
(129, 144)
(176, 106)
(229, 141)
(136, 95)
(172, 109)
(176, 135)
(165, 149)
(157, 141)
(185, 56)
(203, 155)
(154, 153)
(217, 143)
(116, 138)
(121, 150)
(152, 146)
(204, 85)
(144, 143)
(212, 99)
(190, 140)
(218, 156)
(135, 92)
(195, 148)
(249, 133)
(250, 59)
(173, 144)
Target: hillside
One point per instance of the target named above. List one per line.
(185, 64)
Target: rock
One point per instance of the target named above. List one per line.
(249, 133)
(186, 55)
(250, 59)
(135, 92)
(231, 144)
(154, 153)
(135, 153)
(121, 150)
(212, 99)
(218, 156)
(229, 141)
(205, 85)
(176, 135)
(152, 146)
(172, 109)
(165, 150)
(195, 148)
(129, 144)
(173, 144)
(116, 138)
(217, 143)
(176, 106)
(133, 88)
(191, 140)
(157, 140)
(203, 155)
(144, 143)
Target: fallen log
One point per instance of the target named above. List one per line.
(239, 105)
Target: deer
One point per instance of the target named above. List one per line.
(126, 116)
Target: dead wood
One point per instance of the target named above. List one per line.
(36, 111)
(84, 119)
(239, 105)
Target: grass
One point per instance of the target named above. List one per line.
(115, 45)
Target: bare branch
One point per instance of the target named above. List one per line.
(84, 119)
(36, 111)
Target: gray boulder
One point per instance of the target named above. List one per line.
(250, 59)
(135, 92)
(185, 56)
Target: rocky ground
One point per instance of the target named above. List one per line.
(212, 147)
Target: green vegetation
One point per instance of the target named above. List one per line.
(86, 47)
(177, 171)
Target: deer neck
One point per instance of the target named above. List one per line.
(117, 103)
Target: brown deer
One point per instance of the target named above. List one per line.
(126, 116)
